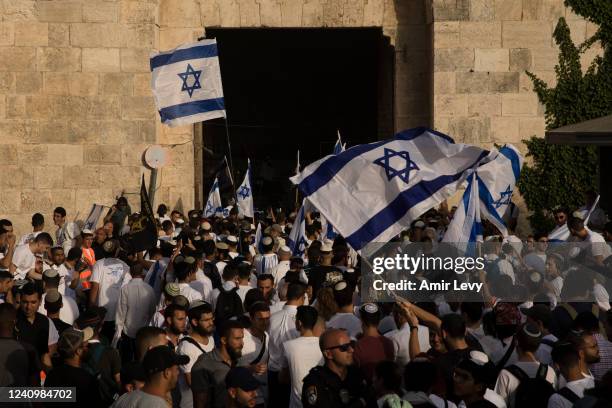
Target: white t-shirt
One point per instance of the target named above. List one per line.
(26, 238)
(401, 339)
(187, 349)
(68, 313)
(282, 328)
(299, 356)
(24, 260)
(347, 321)
(140, 398)
(111, 274)
(599, 246)
(577, 387)
(507, 384)
(242, 291)
(202, 284)
(250, 351)
(190, 293)
(65, 279)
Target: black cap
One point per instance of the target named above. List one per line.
(540, 313)
(241, 377)
(160, 358)
(133, 371)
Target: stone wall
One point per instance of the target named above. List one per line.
(482, 49)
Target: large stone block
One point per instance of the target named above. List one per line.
(141, 36)
(102, 154)
(113, 176)
(7, 33)
(104, 107)
(470, 130)
(101, 60)
(100, 12)
(482, 10)
(28, 82)
(86, 176)
(97, 35)
(51, 132)
(446, 34)
(70, 107)
(33, 153)
(7, 82)
(10, 201)
(142, 85)
(544, 59)
(17, 59)
(83, 84)
(209, 13)
(172, 37)
(8, 154)
(185, 13)
(531, 127)
(493, 60)
(59, 35)
(353, 13)
(131, 155)
(481, 34)
(249, 13)
(519, 105)
(484, 105)
(16, 107)
(229, 14)
(138, 107)
(508, 9)
(505, 129)
(30, 33)
(504, 82)
(525, 34)
(135, 60)
(39, 107)
(59, 11)
(543, 10)
(291, 13)
(520, 59)
(451, 10)
(2, 107)
(118, 132)
(312, 13)
(65, 154)
(472, 82)
(146, 131)
(58, 59)
(139, 12)
(56, 83)
(83, 132)
(48, 177)
(17, 177)
(453, 59)
(116, 84)
(450, 105)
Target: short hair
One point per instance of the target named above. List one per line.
(60, 210)
(195, 313)
(252, 296)
(5, 275)
(473, 310)
(344, 296)
(162, 209)
(307, 316)
(51, 281)
(74, 254)
(265, 247)
(575, 223)
(229, 272)
(30, 289)
(565, 355)
(265, 276)
(561, 210)
(38, 220)
(171, 308)
(390, 374)
(370, 319)
(8, 313)
(144, 337)
(5, 223)
(44, 237)
(540, 234)
(167, 224)
(137, 270)
(209, 247)
(586, 321)
(454, 325)
(420, 375)
(258, 307)
(296, 291)
(244, 270)
(326, 334)
(228, 326)
(54, 307)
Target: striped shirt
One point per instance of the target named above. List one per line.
(264, 264)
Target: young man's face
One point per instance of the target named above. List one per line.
(178, 321)
(243, 398)
(42, 247)
(29, 304)
(58, 257)
(463, 383)
(560, 218)
(88, 241)
(206, 324)
(261, 320)
(58, 219)
(265, 286)
(5, 285)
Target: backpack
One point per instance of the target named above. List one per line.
(568, 394)
(531, 392)
(107, 387)
(228, 305)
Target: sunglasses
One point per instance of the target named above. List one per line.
(343, 347)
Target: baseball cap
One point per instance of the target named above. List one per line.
(71, 339)
(241, 377)
(160, 358)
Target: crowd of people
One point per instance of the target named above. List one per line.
(219, 314)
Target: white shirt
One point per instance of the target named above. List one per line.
(578, 387)
(599, 246)
(250, 351)
(24, 260)
(187, 349)
(135, 308)
(299, 356)
(536, 261)
(53, 334)
(68, 313)
(242, 291)
(347, 321)
(66, 235)
(401, 338)
(507, 384)
(282, 328)
(65, 274)
(505, 268)
(111, 274)
(544, 350)
(279, 271)
(265, 263)
(26, 238)
(202, 284)
(190, 293)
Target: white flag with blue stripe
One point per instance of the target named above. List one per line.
(562, 233)
(245, 194)
(297, 238)
(466, 225)
(213, 204)
(371, 192)
(186, 83)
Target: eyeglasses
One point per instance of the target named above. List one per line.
(559, 217)
(343, 347)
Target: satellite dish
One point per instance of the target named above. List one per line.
(156, 157)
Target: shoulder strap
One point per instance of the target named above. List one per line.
(569, 309)
(517, 372)
(542, 371)
(193, 342)
(568, 394)
(262, 351)
(548, 342)
(501, 363)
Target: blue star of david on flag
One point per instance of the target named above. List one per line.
(301, 245)
(244, 192)
(504, 198)
(402, 173)
(209, 207)
(196, 80)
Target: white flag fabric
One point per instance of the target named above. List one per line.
(371, 192)
(466, 225)
(327, 228)
(297, 238)
(213, 204)
(94, 216)
(186, 83)
(562, 233)
(245, 194)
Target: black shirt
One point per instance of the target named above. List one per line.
(36, 333)
(68, 376)
(60, 325)
(317, 276)
(18, 363)
(324, 388)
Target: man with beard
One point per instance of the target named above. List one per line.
(209, 371)
(176, 322)
(241, 388)
(199, 341)
(161, 370)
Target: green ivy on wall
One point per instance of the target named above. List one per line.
(560, 174)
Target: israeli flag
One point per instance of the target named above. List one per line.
(245, 194)
(562, 233)
(186, 84)
(373, 191)
(496, 183)
(328, 229)
(213, 204)
(297, 238)
(466, 226)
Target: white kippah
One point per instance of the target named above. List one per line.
(530, 333)
(267, 241)
(340, 286)
(478, 357)
(370, 308)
